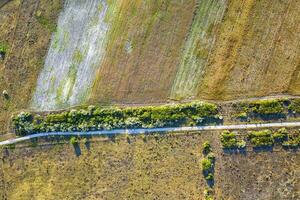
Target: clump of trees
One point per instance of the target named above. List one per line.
(261, 138)
(208, 168)
(263, 107)
(292, 141)
(229, 141)
(100, 118)
(267, 138)
(295, 106)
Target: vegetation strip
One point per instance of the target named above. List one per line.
(153, 130)
(99, 118)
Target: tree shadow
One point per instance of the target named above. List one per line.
(268, 117)
(87, 144)
(291, 148)
(233, 151)
(263, 149)
(77, 149)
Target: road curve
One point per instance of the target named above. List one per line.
(154, 130)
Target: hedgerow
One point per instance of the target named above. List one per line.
(280, 135)
(100, 118)
(293, 141)
(230, 141)
(262, 138)
(264, 107)
(295, 106)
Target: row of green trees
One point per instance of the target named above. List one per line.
(208, 169)
(263, 138)
(267, 109)
(101, 118)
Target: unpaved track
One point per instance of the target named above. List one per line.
(154, 130)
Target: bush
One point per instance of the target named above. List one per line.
(207, 165)
(267, 107)
(241, 144)
(241, 116)
(295, 106)
(229, 141)
(209, 177)
(74, 141)
(3, 48)
(263, 107)
(292, 142)
(208, 194)
(206, 147)
(280, 135)
(211, 156)
(261, 138)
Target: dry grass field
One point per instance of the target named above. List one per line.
(147, 167)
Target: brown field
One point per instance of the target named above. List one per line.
(154, 51)
(28, 41)
(147, 167)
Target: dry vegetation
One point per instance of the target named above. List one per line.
(147, 167)
(26, 27)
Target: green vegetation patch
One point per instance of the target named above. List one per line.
(3, 47)
(295, 106)
(101, 118)
(262, 138)
(229, 141)
(45, 21)
(293, 141)
(264, 107)
(280, 135)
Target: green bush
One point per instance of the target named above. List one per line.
(208, 194)
(292, 142)
(242, 115)
(99, 118)
(280, 135)
(261, 138)
(264, 107)
(3, 47)
(209, 177)
(207, 165)
(295, 106)
(74, 140)
(206, 147)
(230, 141)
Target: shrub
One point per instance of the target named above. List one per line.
(209, 177)
(261, 138)
(74, 141)
(207, 165)
(241, 116)
(295, 106)
(292, 142)
(208, 194)
(280, 135)
(211, 156)
(262, 107)
(267, 107)
(3, 48)
(206, 147)
(230, 141)
(241, 144)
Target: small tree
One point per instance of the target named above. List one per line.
(73, 140)
(206, 147)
